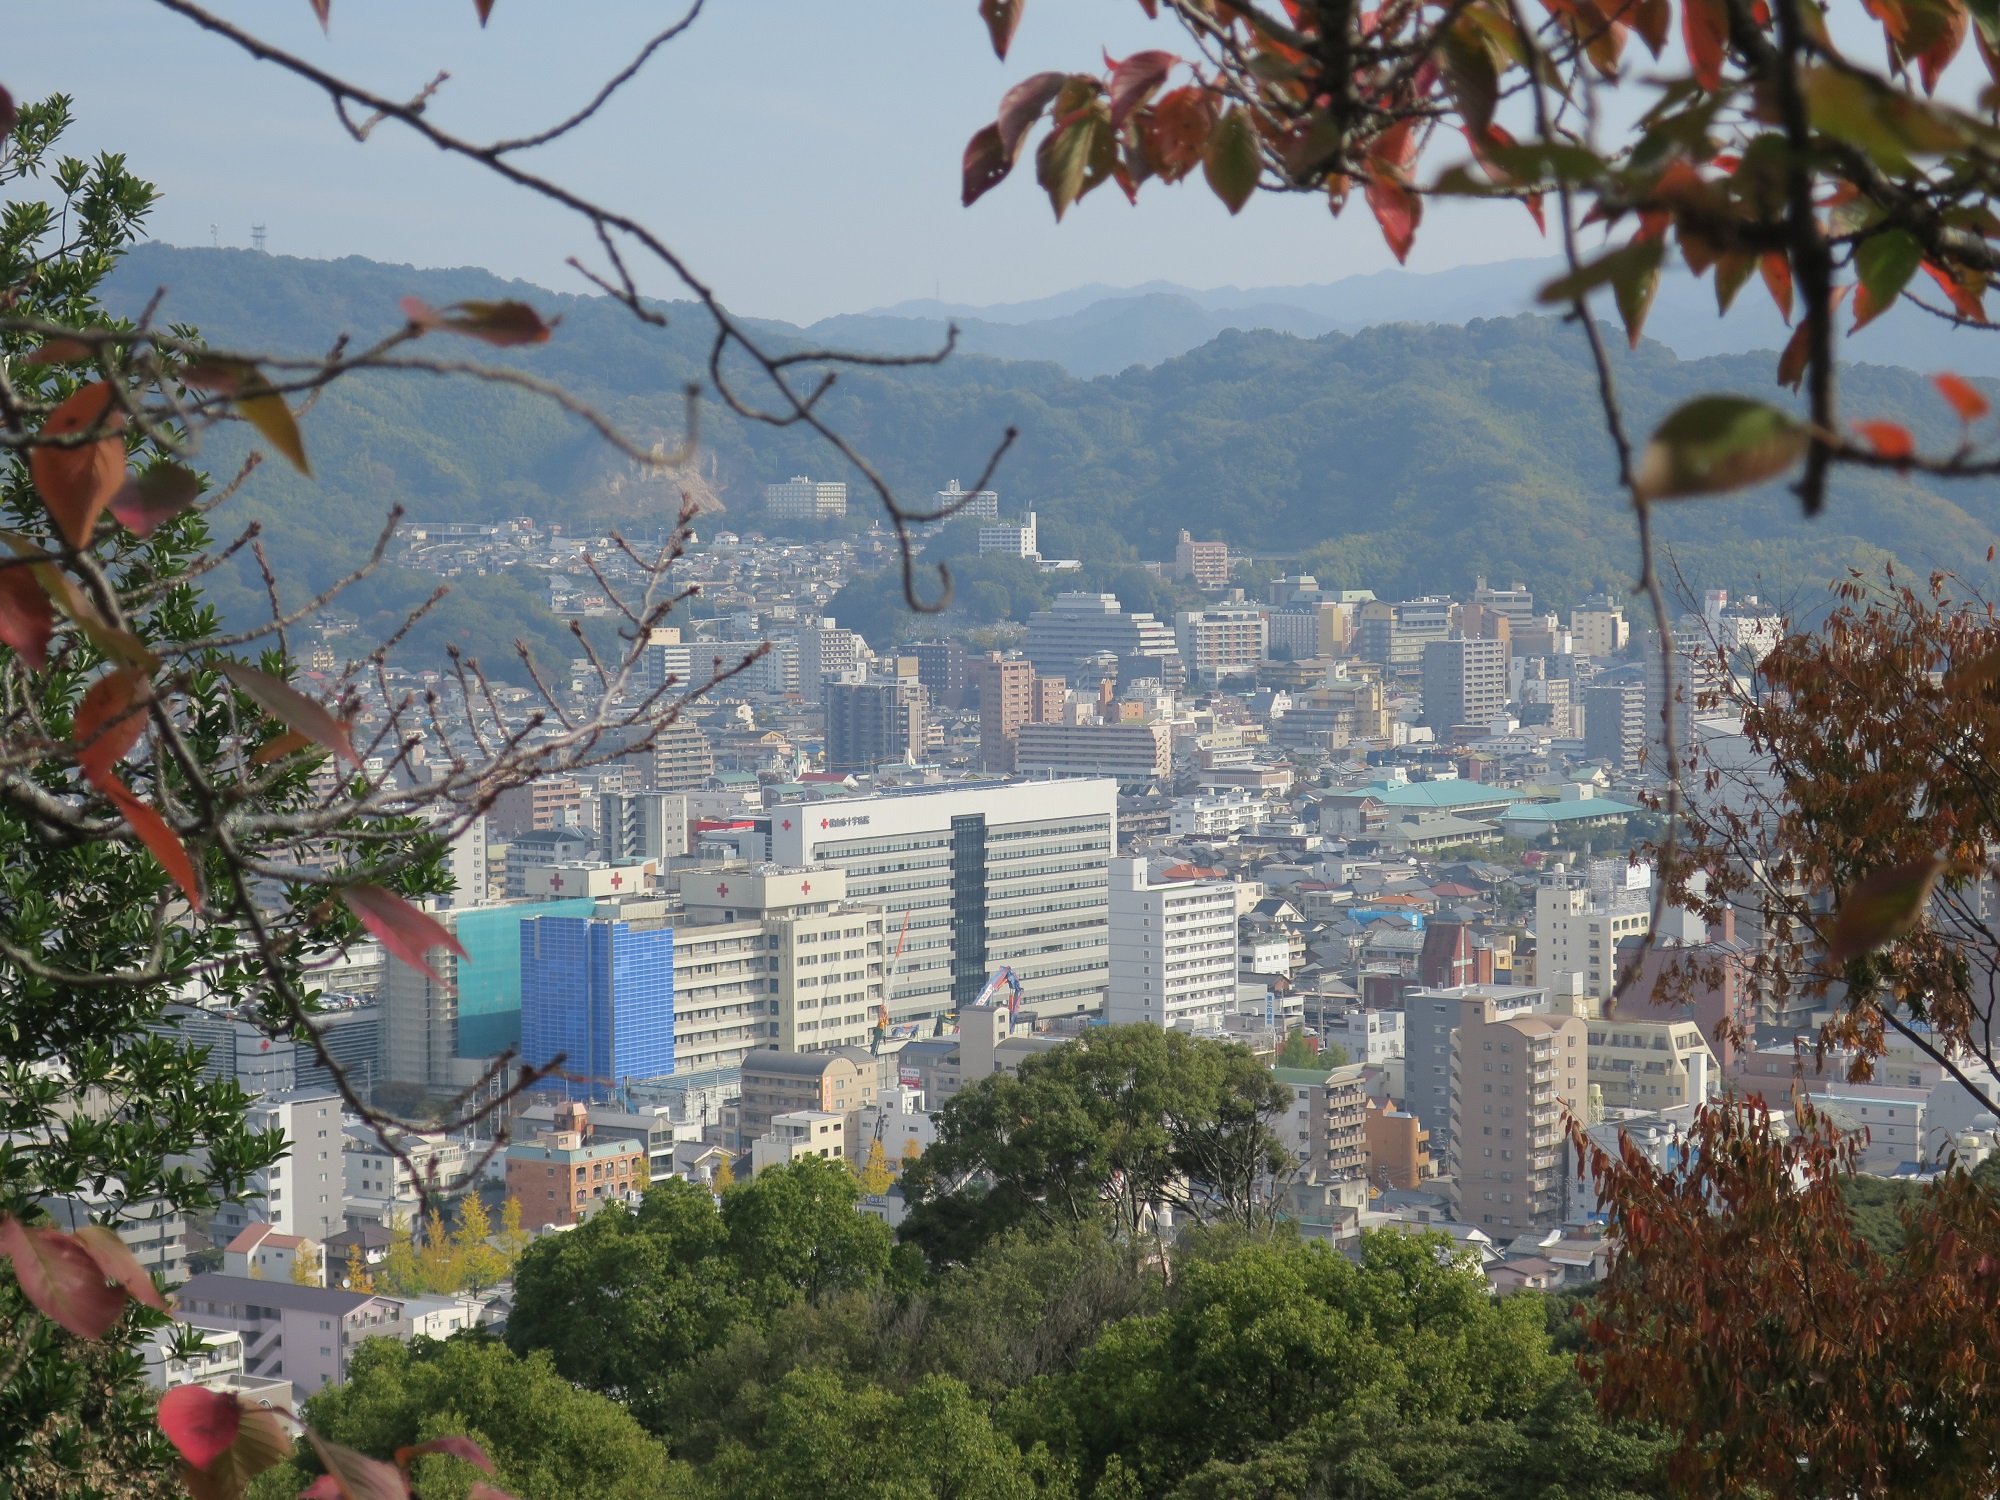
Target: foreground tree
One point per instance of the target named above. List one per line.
(1110, 1128)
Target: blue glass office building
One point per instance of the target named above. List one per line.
(489, 981)
(600, 994)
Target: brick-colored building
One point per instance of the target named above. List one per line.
(1398, 1148)
(554, 802)
(840, 1081)
(558, 1175)
(1006, 702)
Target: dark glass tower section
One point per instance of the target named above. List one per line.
(968, 908)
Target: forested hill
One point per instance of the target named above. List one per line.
(1403, 458)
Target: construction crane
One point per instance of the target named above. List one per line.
(888, 982)
(1006, 976)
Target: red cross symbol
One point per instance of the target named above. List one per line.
(617, 881)
(555, 882)
(786, 825)
(825, 823)
(722, 890)
(805, 887)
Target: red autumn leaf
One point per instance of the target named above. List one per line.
(261, 1443)
(1177, 130)
(1882, 907)
(200, 1423)
(457, 1447)
(1397, 210)
(1705, 30)
(504, 324)
(357, 1476)
(985, 166)
(288, 743)
(294, 709)
(154, 833)
(1966, 294)
(1964, 397)
(146, 500)
(62, 1280)
(27, 618)
(1950, 24)
(1888, 439)
(485, 9)
(322, 9)
(406, 932)
(110, 720)
(116, 1260)
(61, 351)
(9, 113)
(1134, 78)
(77, 483)
(1021, 106)
(1777, 273)
(1001, 18)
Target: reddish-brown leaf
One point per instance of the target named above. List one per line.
(261, 1442)
(322, 9)
(504, 324)
(153, 832)
(406, 932)
(1948, 23)
(357, 1476)
(1021, 106)
(1133, 80)
(27, 618)
(77, 483)
(145, 501)
(1967, 292)
(1705, 30)
(288, 743)
(1001, 18)
(985, 167)
(58, 1275)
(485, 9)
(1777, 273)
(9, 112)
(119, 1264)
(294, 709)
(1177, 130)
(200, 1423)
(457, 1447)
(61, 351)
(1882, 907)
(1965, 398)
(1888, 439)
(110, 720)
(1397, 210)
(1652, 19)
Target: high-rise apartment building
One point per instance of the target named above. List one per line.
(1346, 709)
(983, 505)
(874, 723)
(1431, 1017)
(668, 661)
(1651, 1065)
(598, 993)
(302, 1191)
(1204, 564)
(1307, 628)
(1084, 637)
(1465, 683)
(801, 499)
(827, 653)
(1614, 723)
(1222, 642)
(1173, 949)
(638, 825)
(1393, 636)
(972, 878)
(1006, 702)
(1513, 1079)
(945, 670)
(1327, 1127)
(1599, 628)
(682, 758)
(552, 802)
(1581, 917)
(1011, 539)
(1127, 753)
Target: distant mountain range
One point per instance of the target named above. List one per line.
(1100, 330)
(1399, 457)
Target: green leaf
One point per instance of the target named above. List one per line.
(1717, 443)
(1624, 265)
(1885, 263)
(1889, 125)
(1231, 163)
(1634, 282)
(1062, 161)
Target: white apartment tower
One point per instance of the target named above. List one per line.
(1010, 540)
(972, 878)
(1173, 949)
(801, 499)
(1580, 917)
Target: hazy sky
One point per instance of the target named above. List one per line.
(802, 154)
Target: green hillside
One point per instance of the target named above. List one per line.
(1402, 458)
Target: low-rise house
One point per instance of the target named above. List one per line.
(799, 1134)
(260, 1251)
(307, 1334)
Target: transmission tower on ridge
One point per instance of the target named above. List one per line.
(257, 237)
